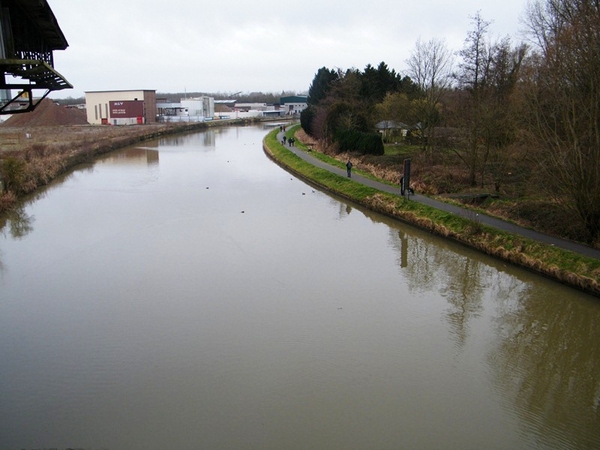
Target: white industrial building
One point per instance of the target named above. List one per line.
(121, 107)
(198, 109)
(231, 109)
(294, 104)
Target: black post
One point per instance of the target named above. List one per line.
(405, 182)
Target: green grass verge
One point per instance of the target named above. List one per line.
(400, 150)
(565, 266)
(328, 159)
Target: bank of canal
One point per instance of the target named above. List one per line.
(573, 264)
(187, 289)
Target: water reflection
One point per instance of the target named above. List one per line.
(403, 242)
(144, 156)
(431, 265)
(344, 209)
(309, 319)
(546, 357)
(547, 363)
(17, 222)
(204, 141)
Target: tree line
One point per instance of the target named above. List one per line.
(496, 106)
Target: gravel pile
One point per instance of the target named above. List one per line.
(47, 114)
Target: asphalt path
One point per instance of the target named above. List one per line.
(453, 209)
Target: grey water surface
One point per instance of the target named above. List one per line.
(189, 293)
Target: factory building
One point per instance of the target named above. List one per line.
(121, 107)
(198, 109)
(294, 104)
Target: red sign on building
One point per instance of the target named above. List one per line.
(126, 109)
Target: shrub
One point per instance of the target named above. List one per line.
(372, 144)
(7, 200)
(347, 140)
(12, 171)
(360, 142)
(306, 120)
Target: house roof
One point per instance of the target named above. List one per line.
(392, 124)
(293, 99)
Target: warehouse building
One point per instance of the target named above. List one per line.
(198, 109)
(294, 105)
(121, 107)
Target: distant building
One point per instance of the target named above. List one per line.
(294, 104)
(250, 110)
(245, 107)
(224, 105)
(198, 109)
(121, 107)
(391, 129)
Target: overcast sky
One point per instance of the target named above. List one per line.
(253, 45)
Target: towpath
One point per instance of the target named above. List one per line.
(453, 209)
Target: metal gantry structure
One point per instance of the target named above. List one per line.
(29, 33)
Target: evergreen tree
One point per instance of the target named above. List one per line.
(321, 85)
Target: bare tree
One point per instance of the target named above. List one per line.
(488, 74)
(502, 120)
(565, 104)
(430, 67)
(473, 77)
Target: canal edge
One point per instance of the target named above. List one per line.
(571, 279)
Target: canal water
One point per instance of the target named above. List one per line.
(189, 293)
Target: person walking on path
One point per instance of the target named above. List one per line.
(349, 168)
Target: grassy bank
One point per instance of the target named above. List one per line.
(567, 267)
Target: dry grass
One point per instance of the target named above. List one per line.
(518, 197)
(73, 136)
